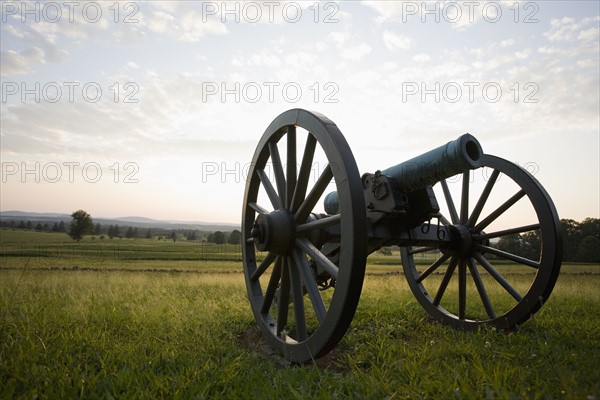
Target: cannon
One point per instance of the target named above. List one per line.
(309, 221)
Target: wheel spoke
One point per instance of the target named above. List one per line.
(291, 165)
(282, 196)
(464, 202)
(483, 199)
(496, 275)
(421, 250)
(495, 286)
(315, 194)
(433, 267)
(278, 170)
(520, 229)
(298, 300)
(304, 173)
(272, 287)
(310, 284)
(445, 281)
(318, 257)
(258, 208)
(283, 302)
(266, 262)
(499, 211)
(319, 224)
(509, 256)
(462, 289)
(442, 219)
(481, 289)
(273, 196)
(449, 202)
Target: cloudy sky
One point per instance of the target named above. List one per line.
(155, 108)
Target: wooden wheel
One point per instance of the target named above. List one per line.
(287, 255)
(498, 269)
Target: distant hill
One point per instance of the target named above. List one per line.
(140, 222)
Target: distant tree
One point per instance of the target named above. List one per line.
(80, 225)
(589, 250)
(45, 227)
(39, 227)
(61, 226)
(578, 239)
(217, 237)
(510, 243)
(22, 225)
(531, 245)
(235, 237)
(173, 236)
(192, 236)
(98, 229)
(129, 234)
(590, 227)
(29, 225)
(149, 234)
(114, 231)
(571, 234)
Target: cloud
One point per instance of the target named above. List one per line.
(422, 57)
(459, 15)
(396, 42)
(568, 29)
(589, 34)
(340, 38)
(13, 31)
(492, 62)
(355, 53)
(18, 63)
(347, 47)
(387, 10)
(191, 27)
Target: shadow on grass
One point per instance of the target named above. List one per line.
(251, 339)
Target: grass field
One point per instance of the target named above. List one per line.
(150, 327)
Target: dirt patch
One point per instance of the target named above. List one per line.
(252, 340)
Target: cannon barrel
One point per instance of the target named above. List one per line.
(453, 158)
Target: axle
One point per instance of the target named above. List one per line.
(418, 173)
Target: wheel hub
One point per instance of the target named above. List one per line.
(461, 241)
(274, 232)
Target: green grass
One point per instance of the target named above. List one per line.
(57, 250)
(152, 328)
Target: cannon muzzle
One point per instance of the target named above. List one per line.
(455, 157)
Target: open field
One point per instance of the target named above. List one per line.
(155, 328)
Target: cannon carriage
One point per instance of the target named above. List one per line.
(306, 236)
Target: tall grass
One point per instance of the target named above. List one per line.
(119, 334)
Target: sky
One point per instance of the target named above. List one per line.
(155, 108)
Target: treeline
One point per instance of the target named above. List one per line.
(34, 226)
(104, 231)
(581, 242)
